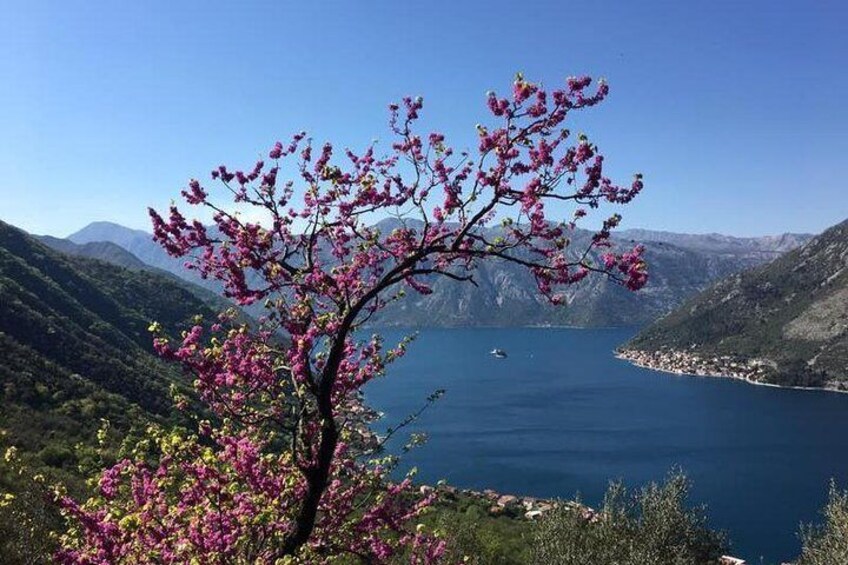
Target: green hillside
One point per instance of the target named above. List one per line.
(791, 314)
(76, 348)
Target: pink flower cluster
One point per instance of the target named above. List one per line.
(236, 500)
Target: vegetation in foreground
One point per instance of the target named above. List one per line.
(652, 525)
(827, 543)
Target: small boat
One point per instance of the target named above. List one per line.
(498, 353)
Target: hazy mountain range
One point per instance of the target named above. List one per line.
(680, 266)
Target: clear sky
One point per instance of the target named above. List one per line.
(734, 111)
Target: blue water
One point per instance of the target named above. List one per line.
(562, 415)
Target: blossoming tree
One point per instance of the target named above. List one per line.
(278, 473)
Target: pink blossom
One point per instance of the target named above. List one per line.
(281, 470)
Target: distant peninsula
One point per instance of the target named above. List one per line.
(782, 324)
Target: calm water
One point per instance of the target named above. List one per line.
(562, 415)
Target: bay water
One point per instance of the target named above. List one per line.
(561, 415)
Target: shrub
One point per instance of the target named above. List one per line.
(827, 544)
(651, 526)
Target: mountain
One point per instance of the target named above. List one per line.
(764, 247)
(681, 265)
(117, 255)
(789, 318)
(506, 293)
(132, 240)
(102, 250)
(76, 347)
(141, 245)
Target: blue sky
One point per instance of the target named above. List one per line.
(734, 111)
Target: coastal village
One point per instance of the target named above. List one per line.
(689, 363)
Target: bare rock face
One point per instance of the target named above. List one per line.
(792, 313)
(821, 321)
(681, 265)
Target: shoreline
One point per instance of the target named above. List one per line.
(647, 360)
